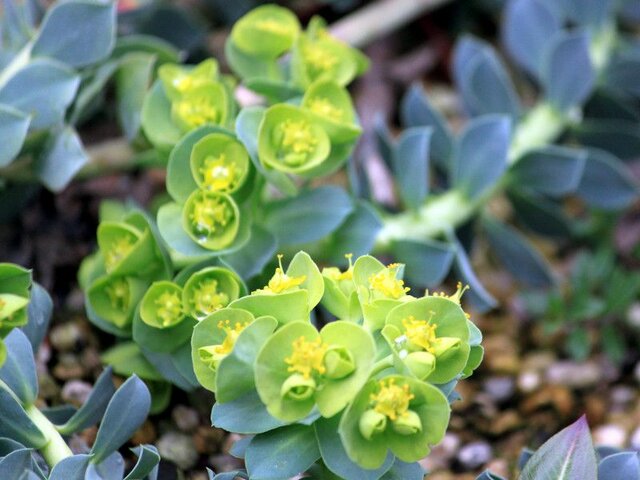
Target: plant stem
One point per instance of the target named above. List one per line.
(380, 18)
(56, 449)
(381, 365)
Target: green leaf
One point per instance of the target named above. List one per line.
(77, 32)
(19, 370)
(245, 415)
(43, 89)
(126, 411)
(39, 312)
(282, 453)
(62, 159)
(251, 259)
(71, 468)
(567, 455)
(357, 233)
(310, 216)
(127, 359)
(13, 131)
(156, 119)
(132, 82)
(404, 471)
(478, 294)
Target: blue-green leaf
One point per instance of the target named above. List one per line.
(404, 471)
(148, 459)
(251, 259)
(13, 130)
(282, 453)
(132, 82)
(20, 428)
(111, 468)
(550, 170)
(77, 32)
(126, 411)
(39, 312)
(478, 295)
(245, 415)
(71, 468)
(426, 263)
(19, 370)
(619, 137)
(17, 462)
(43, 89)
(620, 465)
(62, 159)
(357, 234)
(411, 165)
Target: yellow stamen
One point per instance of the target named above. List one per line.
(319, 57)
(119, 294)
(218, 173)
(206, 297)
(385, 282)
(307, 357)
(232, 334)
(169, 307)
(420, 332)
(197, 111)
(336, 274)
(208, 214)
(281, 282)
(325, 108)
(297, 141)
(392, 400)
(118, 250)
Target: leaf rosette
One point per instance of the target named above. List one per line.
(299, 368)
(430, 337)
(396, 413)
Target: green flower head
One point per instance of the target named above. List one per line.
(205, 104)
(219, 163)
(331, 104)
(126, 249)
(15, 282)
(209, 290)
(341, 296)
(380, 289)
(114, 298)
(162, 307)
(291, 140)
(266, 32)
(396, 413)
(299, 368)
(430, 336)
(211, 219)
(289, 295)
(178, 80)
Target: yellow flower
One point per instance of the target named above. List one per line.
(219, 174)
(119, 294)
(206, 297)
(420, 332)
(195, 111)
(386, 283)
(324, 108)
(335, 273)
(297, 141)
(209, 214)
(118, 249)
(280, 281)
(169, 307)
(307, 357)
(392, 400)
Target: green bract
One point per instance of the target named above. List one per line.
(267, 31)
(211, 219)
(299, 368)
(208, 290)
(114, 298)
(396, 413)
(126, 249)
(219, 163)
(162, 306)
(341, 296)
(202, 105)
(430, 336)
(178, 80)
(291, 140)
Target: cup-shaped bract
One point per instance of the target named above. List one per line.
(15, 282)
(219, 163)
(213, 339)
(340, 293)
(209, 290)
(299, 368)
(162, 306)
(126, 249)
(178, 80)
(397, 413)
(205, 104)
(211, 219)
(114, 298)
(289, 295)
(380, 288)
(291, 140)
(331, 104)
(430, 335)
(266, 32)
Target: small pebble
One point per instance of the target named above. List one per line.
(65, 337)
(76, 392)
(610, 436)
(633, 315)
(574, 374)
(474, 455)
(68, 367)
(186, 418)
(179, 449)
(529, 381)
(499, 389)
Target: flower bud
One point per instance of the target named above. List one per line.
(421, 364)
(298, 387)
(371, 423)
(407, 424)
(338, 362)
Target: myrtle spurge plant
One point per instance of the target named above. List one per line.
(366, 394)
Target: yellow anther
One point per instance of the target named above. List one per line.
(420, 332)
(281, 282)
(218, 173)
(208, 214)
(319, 57)
(307, 357)
(385, 282)
(119, 294)
(118, 250)
(392, 400)
(207, 298)
(169, 307)
(271, 25)
(325, 108)
(336, 274)
(297, 141)
(196, 111)
(232, 333)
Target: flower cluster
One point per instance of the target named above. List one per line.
(15, 285)
(382, 371)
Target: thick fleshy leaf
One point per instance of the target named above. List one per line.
(147, 462)
(21, 428)
(568, 455)
(550, 170)
(19, 370)
(410, 163)
(619, 137)
(43, 89)
(539, 214)
(156, 119)
(77, 32)
(590, 13)
(126, 411)
(606, 183)
(620, 465)
(127, 359)
(39, 312)
(13, 131)
(132, 82)
(251, 259)
(245, 415)
(282, 453)
(478, 295)
(568, 74)
(71, 468)
(427, 262)
(357, 233)
(404, 471)
(527, 28)
(481, 154)
(111, 468)
(308, 217)
(416, 111)
(62, 159)
(517, 255)
(17, 462)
